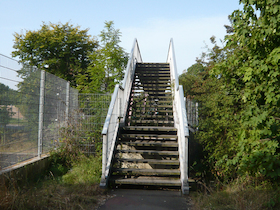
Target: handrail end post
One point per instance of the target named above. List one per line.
(103, 183)
(185, 187)
(104, 160)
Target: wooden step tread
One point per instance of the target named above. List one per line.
(141, 75)
(150, 144)
(169, 96)
(148, 171)
(154, 117)
(152, 96)
(150, 82)
(159, 115)
(150, 122)
(149, 128)
(155, 87)
(152, 85)
(150, 152)
(152, 68)
(151, 181)
(149, 136)
(152, 106)
(148, 113)
(151, 92)
(153, 80)
(149, 161)
(162, 103)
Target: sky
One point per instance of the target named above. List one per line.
(152, 22)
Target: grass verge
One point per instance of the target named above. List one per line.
(238, 195)
(77, 188)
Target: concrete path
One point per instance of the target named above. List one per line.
(131, 199)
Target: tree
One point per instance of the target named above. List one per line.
(217, 111)
(190, 77)
(252, 75)
(107, 63)
(60, 49)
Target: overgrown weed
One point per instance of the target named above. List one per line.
(86, 171)
(240, 194)
(52, 195)
(77, 189)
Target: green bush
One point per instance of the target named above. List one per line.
(85, 171)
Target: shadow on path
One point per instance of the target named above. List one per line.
(124, 199)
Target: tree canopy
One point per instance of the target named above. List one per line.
(107, 64)
(60, 49)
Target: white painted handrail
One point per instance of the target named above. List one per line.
(180, 118)
(117, 113)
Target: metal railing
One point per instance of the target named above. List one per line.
(117, 113)
(180, 118)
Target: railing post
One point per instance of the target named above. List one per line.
(104, 159)
(196, 114)
(185, 187)
(67, 101)
(41, 111)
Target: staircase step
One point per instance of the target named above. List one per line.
(149, 152)
(160, 67)
(152, 85)
(152, 91)
(151, 122)
(160, 97)
(137, 171)
(138, 114)
(149, 161)
(149, 136)
(155, 87)
(150, 181)
(149, 128)
(144, 110)
(152, 64)
(153, 82)
(141, 96)
(154, 79)
(153, 105)
(152, 74)
(150, 144)
(160, 103)
(153, 116)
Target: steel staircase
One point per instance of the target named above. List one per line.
(147, 148)
(145, 135)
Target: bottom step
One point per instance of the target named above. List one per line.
(150, 181)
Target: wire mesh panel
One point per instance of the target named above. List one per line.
(59, 101)
(92, 112)
(32, 121)
(19, 97)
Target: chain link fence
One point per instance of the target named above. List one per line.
(37, 109)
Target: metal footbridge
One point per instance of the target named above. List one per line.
(145, 135)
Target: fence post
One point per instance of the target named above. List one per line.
(67, 101)
(41, 113)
